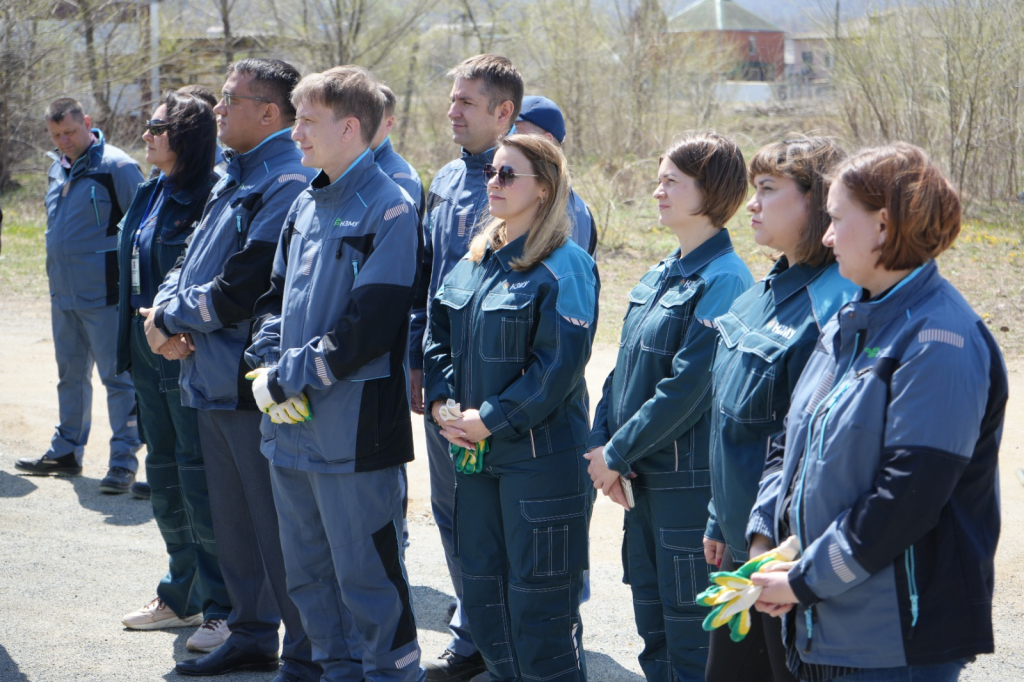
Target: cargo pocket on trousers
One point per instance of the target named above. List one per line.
(557, 538)
(686, 545)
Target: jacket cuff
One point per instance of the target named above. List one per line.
(596, 440)
(712, 531)
(159, 322)
(762, 525)
(492, 416)
(798, 583)
(612, 459)
(276, 392)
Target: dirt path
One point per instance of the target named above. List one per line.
(72, 561)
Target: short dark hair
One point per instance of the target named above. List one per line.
(716, 163)
(192, 135)
(271, 78)
(924, 208)
(59, 108)
(390, 101)
(502, 82)
(201, 91)
(807, 161)
(346, 91)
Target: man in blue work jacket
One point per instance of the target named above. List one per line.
(541, 116)
(209, 298)
(329, 352)
(92, 184)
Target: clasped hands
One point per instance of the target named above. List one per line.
(173, 347)
(292, 411)
(465, 432)
(605, 479)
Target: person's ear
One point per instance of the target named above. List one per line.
(87, 120)
(883, 225)
(505, 110)
(271, 114)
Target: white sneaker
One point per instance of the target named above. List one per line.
(211, 635)
(156, 616)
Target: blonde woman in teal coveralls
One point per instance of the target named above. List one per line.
(510, 334)
(653, 424)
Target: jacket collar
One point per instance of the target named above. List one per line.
(383, 150)
(476, 162)
(510, 252)
(241, 164)
(705, 253)
(344, 188)
(899, 301)
(784, 280)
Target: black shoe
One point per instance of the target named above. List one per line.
(141, 490)
(452, 608)
(224, 659)
(60, 466)
(451, 667)
(118, 480)
(287, 677)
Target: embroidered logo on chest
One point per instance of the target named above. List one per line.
(782, 330)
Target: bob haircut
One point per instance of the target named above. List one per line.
(716, 163)
(807, 161)
(924, 210)
(192, 135)
(551, 227)
(346, 91)
(502, 82)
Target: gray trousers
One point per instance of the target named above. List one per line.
(248, 540)
(342, 534)
(81, 339)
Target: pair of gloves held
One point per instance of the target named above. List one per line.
(732, 593)
(294, 410)
(466, 461)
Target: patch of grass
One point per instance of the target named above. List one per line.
(23, 259)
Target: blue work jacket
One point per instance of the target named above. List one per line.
(765, 340)
(335, 323)
(514, 346)
(887, 474)
(83, 207)
(401, 173)
(212, 292)
(653, 416)
(456, 207)
(177, 219)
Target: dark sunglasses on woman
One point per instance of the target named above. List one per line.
(157, 127)
(506, 175)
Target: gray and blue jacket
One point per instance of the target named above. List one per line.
(401, 172)
(83, 207)
(766, 338)
(212, 292)
(887, 473)
(514, 345)
(653, 416)
(584, 227)
(335, 323)
(456, 207)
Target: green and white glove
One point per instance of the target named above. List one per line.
(260, 390)
(292, 411)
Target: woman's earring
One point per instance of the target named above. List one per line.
(542, 202)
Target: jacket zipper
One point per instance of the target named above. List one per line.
(908, 563)
(238, 229)
(95, 207)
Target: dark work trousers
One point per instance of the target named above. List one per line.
(663, 562)
(341, 535)
(758, 657)
(177, 476)
(522, 540)
(248, 541)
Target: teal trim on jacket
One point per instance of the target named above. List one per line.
(653, 415)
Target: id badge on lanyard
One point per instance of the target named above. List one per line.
(136, 275)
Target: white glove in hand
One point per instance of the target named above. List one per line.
(260, 390)
(295, 410)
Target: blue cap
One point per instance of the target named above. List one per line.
(545, 114)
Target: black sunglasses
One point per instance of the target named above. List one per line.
(228, 97)
(157, 127)
(506, 175)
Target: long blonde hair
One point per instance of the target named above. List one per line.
(552, 226)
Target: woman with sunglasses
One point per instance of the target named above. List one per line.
(652, 427)
(887, 469)
(510, 334)
(766, 338)
(181, 141)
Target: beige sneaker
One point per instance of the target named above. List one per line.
(156, 616)
(211, 635)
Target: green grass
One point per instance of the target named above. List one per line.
(23, 259)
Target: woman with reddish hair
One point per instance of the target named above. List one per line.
(886, 472)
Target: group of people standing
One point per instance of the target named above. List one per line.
(282, 320)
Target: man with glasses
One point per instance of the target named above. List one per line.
(92, 183)
(206, 304)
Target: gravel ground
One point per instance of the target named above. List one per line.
(73, 561)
